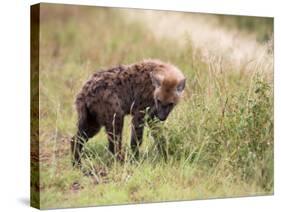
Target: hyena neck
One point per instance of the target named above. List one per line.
(143, 95)
(140, 90)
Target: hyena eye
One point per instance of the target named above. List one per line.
(170, 104)
(159, 102)
(165, 105)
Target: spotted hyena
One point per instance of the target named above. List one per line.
(150, 87)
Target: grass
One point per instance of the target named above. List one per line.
(219, 138)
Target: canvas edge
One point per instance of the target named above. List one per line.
(34, 109)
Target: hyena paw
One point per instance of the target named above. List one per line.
(121, 157)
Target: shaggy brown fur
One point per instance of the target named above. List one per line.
(127, 89)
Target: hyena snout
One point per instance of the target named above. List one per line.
(163, 110)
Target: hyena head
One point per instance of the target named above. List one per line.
(169, 84)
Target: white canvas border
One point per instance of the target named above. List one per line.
(15, 100)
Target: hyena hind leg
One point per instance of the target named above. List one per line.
(87, 128)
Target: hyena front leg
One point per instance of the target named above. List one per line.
(157, 133)
(114, 133)
(137, 133)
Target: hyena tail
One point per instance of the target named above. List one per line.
(87, 128)
(88, 125)
(78, 139)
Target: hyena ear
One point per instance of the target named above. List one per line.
(181, 86)
(156, 80)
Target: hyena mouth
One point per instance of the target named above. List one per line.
(162, 117)
(163, 110)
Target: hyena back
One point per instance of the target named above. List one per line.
(149, 87)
